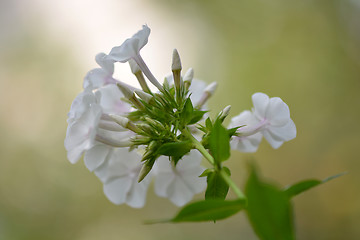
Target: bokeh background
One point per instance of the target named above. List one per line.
(307, 52)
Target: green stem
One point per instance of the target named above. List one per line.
(232, 185)
(210, 158)
(199, 146)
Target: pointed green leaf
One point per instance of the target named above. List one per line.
(206, 210)
(196, 116)
(187, 112)
(175, 149)
(217, 188)
(207, 172)
(219, 142)
(305, 185)
(208, 123)
(269, 209)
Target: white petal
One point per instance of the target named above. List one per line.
(261, 102)
(178, 192)
(180, 184)
(143, 36)
(164, 176)
(131, 47)
(285, 133)
(277, 112)
(111, 102)
(137, 195)
(96, 156)
(105, 63)
(97, 78)
(117, 189)
(246, 144)
(274, 142)
(244, 118)
(196, 88)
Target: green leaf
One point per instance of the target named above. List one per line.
(219, 142)
(305, 185)
(232, 131)
(187, 112)
(175, 149)
(269, 209)
(206, 210)
(196, 116)
(207, 172)
(217, 188)
(208, 123)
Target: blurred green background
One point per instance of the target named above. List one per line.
(306, 52)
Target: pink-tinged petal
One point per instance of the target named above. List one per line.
(284, 133)
(96, 156)
(117, 189)
(245, 119)
(274, 142)
(111, 102)
(261, 102)
(277, 112)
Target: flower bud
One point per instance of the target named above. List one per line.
(145, 169)
(144, 96)
(224, 113)
(211, 88)
(129, 94)
(188, 77)
(208, 92)
(176, 62)
(124, 122)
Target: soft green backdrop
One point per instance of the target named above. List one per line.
(306, 52)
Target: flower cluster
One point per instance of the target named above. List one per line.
(130, 137)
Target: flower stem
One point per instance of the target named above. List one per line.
(232, 185)
(211, 160)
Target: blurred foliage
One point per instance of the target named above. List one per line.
(306, 52)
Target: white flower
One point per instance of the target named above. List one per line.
(84, 117)
(274, 115)
(99, 77)
(119, 173)
(243, 143)
(131, 47)
(270, 117)
(182, 182)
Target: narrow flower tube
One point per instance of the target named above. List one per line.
(208, 92)
(138, 74)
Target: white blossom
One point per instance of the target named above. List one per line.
(99, 77)
(119, 174)
(270, 118)
(249, 143)
(274, 114)
(84, 117)
(131, 47)
(182, 182)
